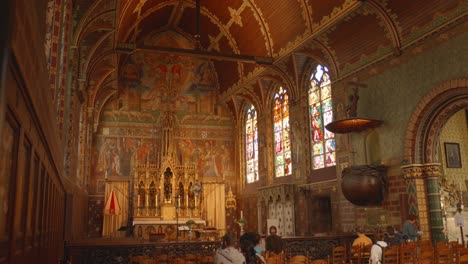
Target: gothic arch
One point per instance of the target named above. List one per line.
(430, 116)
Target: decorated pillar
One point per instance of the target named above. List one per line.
(422, 184)
(417, 200)
(432, 172)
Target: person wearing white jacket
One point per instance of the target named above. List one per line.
(377, 250)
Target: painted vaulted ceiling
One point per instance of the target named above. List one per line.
(252, 43)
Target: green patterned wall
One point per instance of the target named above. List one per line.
(393, 95)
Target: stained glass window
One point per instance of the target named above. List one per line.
(282, 144)
(320, 114)
(251, 145)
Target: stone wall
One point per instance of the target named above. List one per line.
(392, 96)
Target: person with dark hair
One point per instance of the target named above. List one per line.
(274, 249)
(274, 244)
(248, 242)
(410, 229)
(390, 237)
(229, 253)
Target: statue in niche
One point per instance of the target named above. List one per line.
(152, 195)
(141, 194)
(181, 194)
(168, 184)
(191, 196)
(351, 108)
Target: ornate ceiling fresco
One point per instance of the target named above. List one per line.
(252, 43)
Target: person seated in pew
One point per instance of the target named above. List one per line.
(229, 253)
(274, 244)
(390, 237)
(248, 242)
(362, 239)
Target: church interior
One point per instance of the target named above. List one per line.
(154, 127)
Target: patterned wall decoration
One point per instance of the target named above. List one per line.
(95, 216)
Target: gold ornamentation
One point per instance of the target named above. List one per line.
(231, 200)
(236, 17)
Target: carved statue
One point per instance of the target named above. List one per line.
(181, 194)
(351, 108)
(168, 184)
(152, 195)
(141, 193)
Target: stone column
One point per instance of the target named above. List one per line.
(422, 183)
(259, 216)
(432, 173)
(417, 199)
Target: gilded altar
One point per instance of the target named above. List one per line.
(166, 193)
(165, 196)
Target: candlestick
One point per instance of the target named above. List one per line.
(138, 202)
(242, 214)
(461, 194)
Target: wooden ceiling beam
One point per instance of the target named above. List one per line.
(196, 53)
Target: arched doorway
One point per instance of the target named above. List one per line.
(422, 153)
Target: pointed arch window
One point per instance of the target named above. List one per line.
(282, 139)
(320, 114)
(251, 145)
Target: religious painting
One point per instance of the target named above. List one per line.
(213, 158)
(151, 82)
(116, 156)
(7, 153)
(452, 155)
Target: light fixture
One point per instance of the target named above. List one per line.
(350, 125)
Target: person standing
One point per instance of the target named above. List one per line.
(377, 250)
(410, 229)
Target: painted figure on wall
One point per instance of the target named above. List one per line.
(114, 156)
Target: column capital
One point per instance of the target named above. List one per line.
(421, 171)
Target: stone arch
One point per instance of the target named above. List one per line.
(429, 117)
(421, 152)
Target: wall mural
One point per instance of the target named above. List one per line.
(116, 156)
(155, 82)
(151, 86)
